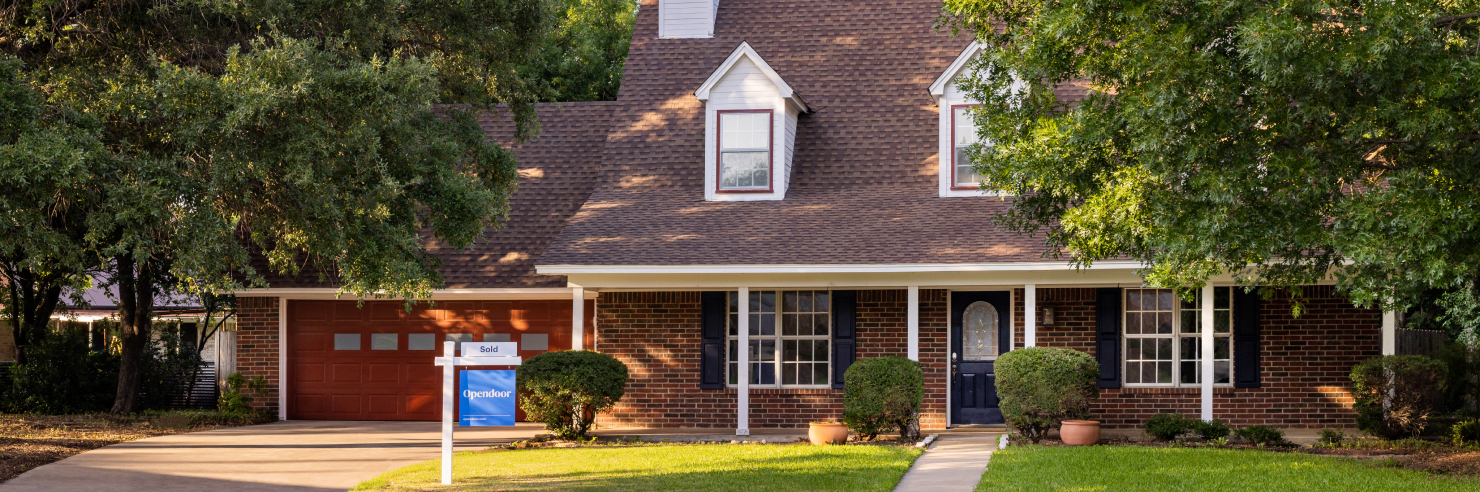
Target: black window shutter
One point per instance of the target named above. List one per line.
(844, 311)
(1246, 338)
(712, 341)
(1107, 336)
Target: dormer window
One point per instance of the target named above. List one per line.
(958, 132)
(750, 128)
(963, 135)
(745, 138)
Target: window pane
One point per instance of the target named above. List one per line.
(741, 170)
(789, 324)
(1133, 300)
(1222, 321)
(1133, 373)
(421, 341)
(820, 324)
(789, 302)
(1189, 372)
(1165, 304)
(1133, 323)
(966, 174)
(965, 131)
(346, 341)
(745, 130)
(383, 341)
(1164, 323)
(819, 373)
(1221, 348)
(1222, 297)
(768, 302)
(789, 351)
(768, 324)
(804, 374)
(821, 302)
(1220, 372)
(1164, 372)
(1189, 321)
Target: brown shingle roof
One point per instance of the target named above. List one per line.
(863, 188)
(557, 171)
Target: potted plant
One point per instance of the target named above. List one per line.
(828, 432)
(1080, 432)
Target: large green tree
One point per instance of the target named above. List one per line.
(216, 132)
(1286, 141)
(582, 60)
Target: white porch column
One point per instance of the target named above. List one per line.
(578, 319)
(1030, 315)
(1389, 333)
(912, 321)
(742, 397)
(1207, 352)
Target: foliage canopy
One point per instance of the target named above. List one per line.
(1283, 141)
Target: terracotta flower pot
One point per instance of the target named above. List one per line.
(1080, 432)
(827, 432)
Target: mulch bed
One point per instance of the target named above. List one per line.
(29, 441)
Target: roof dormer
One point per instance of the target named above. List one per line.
(687, 18)
(750, 122)
(958, 177)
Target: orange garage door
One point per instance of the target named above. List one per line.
(347, 362)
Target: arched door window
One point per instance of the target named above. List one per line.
(980, 319)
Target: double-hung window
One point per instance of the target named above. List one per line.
(963, 135)
(1163, 338)
(790, 338)
(745, 150)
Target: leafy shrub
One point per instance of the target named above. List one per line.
(565, 390)
(1332, 437)
(233, 401)
(883, 394)
(1040, 387)
(1262, 435)
(1396, 394)
(62, 376)
(1462, 388)
(1168, 426)
(1215, 429)
(1464, 433)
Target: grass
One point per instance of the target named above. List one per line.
(663, 467)
(1105, 468)
(29, 441)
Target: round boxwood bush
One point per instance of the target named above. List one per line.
(566, 389)
(882, 395)
(1396, 394)
(1169, 426)
(1040, 387)
(1211, 430)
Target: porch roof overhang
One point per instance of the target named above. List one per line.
(951, 275)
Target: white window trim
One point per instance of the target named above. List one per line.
(770, 151)
(779, 338)
(1176, 337)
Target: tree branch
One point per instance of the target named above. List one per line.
(1452, 18)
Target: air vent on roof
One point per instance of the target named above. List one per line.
(687, 18)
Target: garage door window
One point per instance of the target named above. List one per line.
(421, 341)
(495, 337)
(534, 341)
(383, 341)
(460, 338)
(346, 341)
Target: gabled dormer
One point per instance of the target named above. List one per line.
(957, 128)
(750, 124)
(687, 18)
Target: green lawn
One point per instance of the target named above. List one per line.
(1106, 468)
(653, 468)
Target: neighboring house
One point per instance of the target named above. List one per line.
(787, 177)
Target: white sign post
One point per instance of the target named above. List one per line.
(449, 362)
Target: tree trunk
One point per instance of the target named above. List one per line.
(135, 306)
(32, 302)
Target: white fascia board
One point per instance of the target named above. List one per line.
(745, 51)
(841, 268)
(562, 293)
(938, 88)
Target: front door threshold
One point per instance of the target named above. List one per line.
(980, 427)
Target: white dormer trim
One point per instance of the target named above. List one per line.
(744, 51)
(938, 88)
(745, 83)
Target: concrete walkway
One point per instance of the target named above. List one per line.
(954, 463)
(282, 456)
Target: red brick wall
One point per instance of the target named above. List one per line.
(257, 344)
(657, 335)
(1305, 363)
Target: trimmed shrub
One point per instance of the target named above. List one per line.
(1215, 429)
(1168, 426)
(1465, 433)
(882, 395)
(1040, 387)
(1261, 435)
(1396, 394)
(566, 389)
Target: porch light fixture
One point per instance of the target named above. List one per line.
(1047, 317)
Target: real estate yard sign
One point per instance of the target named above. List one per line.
(487, 399)
(490, 389)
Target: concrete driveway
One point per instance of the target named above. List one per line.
(282, 456)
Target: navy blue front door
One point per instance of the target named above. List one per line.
(980, 330)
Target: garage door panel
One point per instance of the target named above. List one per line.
(308, 373)
(310, 310)
(348, 311)
(345, 404)
(383, 405)
(311, 403)
(424, 374)
(498, 310)
(386, 311)
(310, 342)
(461, 311)
(348, 373)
